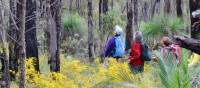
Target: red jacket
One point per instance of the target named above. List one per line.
(135, 55)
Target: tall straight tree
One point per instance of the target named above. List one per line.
(70, 6)
(3, 44)
(105, 6)
(129, 26)
(100, 15)
(54, 26)
(135, 15)
(179, 10)
(155, 8)
(31, 37)
(21, 14)
(167, 7)
(90, 32)
(78, 7)
(13, 60)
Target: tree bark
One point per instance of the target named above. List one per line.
(13, 61)
(179, 10)
(78, 7)
(195, 22)
(135, 15)
(21, 14)
(112, 4)
(5, 57)
(90, 32)
(54, 26)
(129, 26)
(105, 6)
(189, 43)
(167, 7)
(155, 8)
(70, 6)
(31, 37)
(145, 12)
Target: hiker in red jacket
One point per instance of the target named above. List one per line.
(136, 63)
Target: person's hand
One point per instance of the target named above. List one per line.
(154, 59)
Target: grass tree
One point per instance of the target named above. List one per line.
(171, 74)
(161, 26)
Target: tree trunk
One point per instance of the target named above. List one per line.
(179, 10)
(167, 7)
(101, 28)
(31, 37)
(145, 12)
(105, 6)
(112, 4)
(54, 26)
(78, 7)
(100, 15)
(90, 32)
(13, 61)
(189, 43)
(155, 8)
(21, 14)
(129, 26)
(195, 22)
(70, 6)
(135, 15)
(5, 57)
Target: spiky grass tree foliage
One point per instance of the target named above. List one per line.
(74, 24)
(171, 74)
(159, 26)
(73, 34)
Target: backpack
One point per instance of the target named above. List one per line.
(173, 51)
(118, 47)
(145, 52)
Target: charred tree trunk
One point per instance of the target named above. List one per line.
(13, 61)
(90, 32)
(5, 57)
(129, 26)
(101, 28)
(31, 37)
(179, 10)
(54, 26)
(189, 43)
(195, 22)
(105, 6)
(21, 14)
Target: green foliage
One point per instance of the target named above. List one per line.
(171, 74)
(74, 24)
(111, 19)
(160, 26)
(74, 34)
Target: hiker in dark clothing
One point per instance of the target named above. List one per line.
(114, 47)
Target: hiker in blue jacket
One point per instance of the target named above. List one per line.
(115, 46)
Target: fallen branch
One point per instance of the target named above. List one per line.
(189, 43)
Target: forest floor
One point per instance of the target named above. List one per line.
(76, 74)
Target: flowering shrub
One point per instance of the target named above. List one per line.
(75, 74)
(195, 59)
